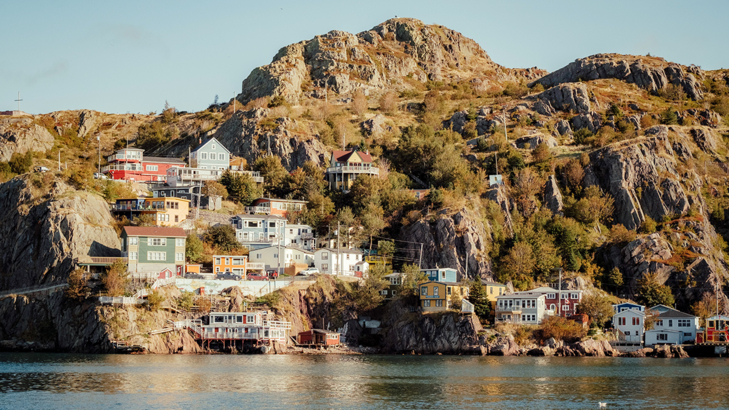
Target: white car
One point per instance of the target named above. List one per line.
(100, 176)
(309, 272)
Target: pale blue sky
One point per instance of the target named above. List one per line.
(131, 56)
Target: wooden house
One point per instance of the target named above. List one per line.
(318, 337)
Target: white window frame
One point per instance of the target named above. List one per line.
(152, 167)
(180, 242)
(133, 240)
(133, 256)
(157, 241)
(179, 256)
(156, 256)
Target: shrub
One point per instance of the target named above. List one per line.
(582, 135)
(193, 248)
(621, 235)
(388, 102)
(222, 237)
(598, 308)
(203, 304)
(21, 163)
(186, 301)
(669, 117)
(277, 101)
(648, 226)
(115, 279)
(560, 329)
(359, 103)
(152, 135)
(651, 293)
(154, 300)
(77, 288)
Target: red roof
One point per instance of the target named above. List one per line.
(343, 156)
(154, 231)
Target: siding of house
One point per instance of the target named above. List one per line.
(152, 258)
(212, 155)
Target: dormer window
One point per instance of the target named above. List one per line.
(214, 146)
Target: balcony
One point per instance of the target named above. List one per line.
(118, 157)
(125, 167)
(258, 210)
(353, 169)
(126, 207)
(255, 175)
(255, 266)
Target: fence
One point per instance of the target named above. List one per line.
(120, 300)
(33, 289)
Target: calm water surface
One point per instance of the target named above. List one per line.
(63, 381)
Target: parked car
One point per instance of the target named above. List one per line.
(194, 276)
(309, 272)
(257, 276)
(98, 175)
(227, 276)
(41, 169)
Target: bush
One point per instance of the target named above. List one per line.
(154, 300)
(669, 117)
(222, 237)
(152, 135)
(194, 248)
(598, 308)
(560, 328)
(359, 103)
(115, 279)
(388, 102)
(21, 163)
(77, 288)
(648, 226)
(582, 135)
(621, 235)
(186, 301)
(651, 293)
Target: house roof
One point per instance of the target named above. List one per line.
(345, 251)
(719, 317)
(343, 156)
(280, 200)
(520, 295)
(394, 275)
(294, 248)
(544, 289)
(154, 231)
(208, 142)
(164, 160)
(320, 331)
(663, 331)
(490, 283)
(632, 311)
(665, 311)
(438, 269)
(253, 216)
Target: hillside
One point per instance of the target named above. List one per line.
(612, 162)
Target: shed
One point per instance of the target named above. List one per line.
(663, 337)
(317, 337)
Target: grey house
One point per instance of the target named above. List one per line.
(210, 155)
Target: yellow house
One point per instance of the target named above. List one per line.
(436, 296)
(346, 166)
(165, 211)
(493, 290)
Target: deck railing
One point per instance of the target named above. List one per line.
(353, 169)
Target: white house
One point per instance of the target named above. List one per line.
(301, 236)
(287, 256)
(630, 325)
(527, 308)
(628, 306)
(671, 327)
(340, 262)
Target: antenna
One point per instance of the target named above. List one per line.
(18, 100)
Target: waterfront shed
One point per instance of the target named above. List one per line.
(318, 337)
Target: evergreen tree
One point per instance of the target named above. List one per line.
(477, 296)
(193, 248)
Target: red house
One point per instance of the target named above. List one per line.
(317, 337)
(564, 306)
(130, 164)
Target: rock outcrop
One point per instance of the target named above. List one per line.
(250, 134)
(20, 135)
(87, 122)
(564, 97)
(373, 61)
(452, 240)
(46, 228)
(531, 141)
(553, 196)
(650, 73)
(375, 125)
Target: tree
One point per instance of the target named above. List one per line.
(573, 173)
(527, 183)
(115, 279)
(456, 301)
(154, 300)
(194, 248)
(620, 235)
(477, 296)
(669, 117)
(412, 276)
(519, 263)
(222, 237)
(77, 288)
(388, 102)
(372, 219)
(385, 248)
(651, 292)
(274, 174)
(214, 189)
(599, 308)
(542, 153)
(615, 278)
(368, 293)
(144, 220)
(241, 187)
(359, 103)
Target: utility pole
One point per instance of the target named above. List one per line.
(98, 138)
(59, 160)
(559, 298)
(18, 100)
(504, 116)
(339, 249)
(233, 105)
(420, 262)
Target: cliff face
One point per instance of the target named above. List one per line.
(45, 226)
(650, 73)
(451, 239)
(20, 135)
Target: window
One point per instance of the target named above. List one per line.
(552, 307)
(214, 146)
(272, 224)
(180, 256)
(684, 323)
(442, 275)
(574, 296)
(659, 322)
(563, 296)
(179, 241)
(217, 269)
(151, 167)
(448, 290)
(133, 256)
(157, 256)
(203, 155)
(325, 256)
(383, 292)
(325, 266)
(636, 321)
(627, 333)
(551, 295)
(133, 240)
(566, 308)
(439, 303)
(394, 293)
(217, 261)
(252, 224)
(435, 291)
(221, 157)
(426, 303)
(158, 241)
(177, 218)
(491, 290)
(424, 291)
(662, 337)
(670, 323)
(219, 319)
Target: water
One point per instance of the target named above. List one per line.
(64, 381)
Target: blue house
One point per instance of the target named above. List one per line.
(210, 155)
(441, 275)
(259, 231)
(620, 307)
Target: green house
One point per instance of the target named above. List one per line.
(154, 252)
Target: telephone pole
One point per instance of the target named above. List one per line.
(18, 100)
(98, 138)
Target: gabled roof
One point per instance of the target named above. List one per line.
(544, 289)
(293, 248)
(342, 251)
(719, 317)
(255, 216)
(343, 156)
(208, 142)
(665, 311)
(626, 311)
(280, 200)
(519, 295)
(155, 231)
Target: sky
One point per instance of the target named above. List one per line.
(133, 56)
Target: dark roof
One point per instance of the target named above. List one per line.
(668, 312)
(320, 331)
(343, 156)
(164, 160)
(154, 231)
